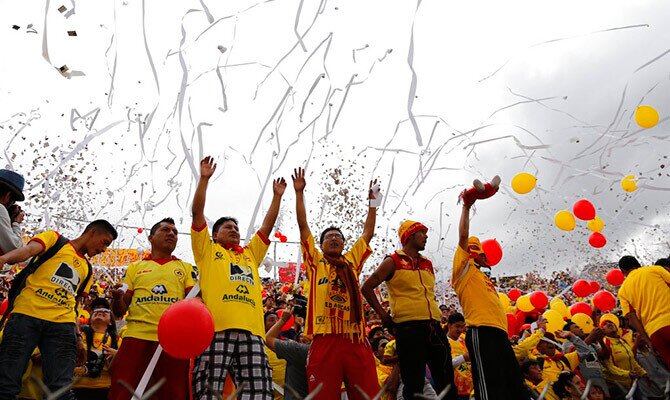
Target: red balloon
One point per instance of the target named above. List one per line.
(581, 288)
(140, 230)
(186, 329)
(539, 300)
(3, 306)
(511, 325)
(493, 251)
(584, 210)
(595, 286)
(604, 301)
(615, 277)
(514, 294)
(283, 239)
(277, 235)
(524, 327)
(597, 240)
(581, 307)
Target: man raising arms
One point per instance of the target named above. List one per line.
(340, 351)
(495, 370)
(231, 289)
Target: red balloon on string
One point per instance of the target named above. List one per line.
(511, 325)
(140, 230)
(493, 251)
(514, 294)
(581, 307)
(615, 277)
(584, 210)
(597, 240)
(186, 329)
(581, 288)
(3, 306)
(539, 300)
(595, 286)
(604, 301)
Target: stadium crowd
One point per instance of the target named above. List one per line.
(87, 332)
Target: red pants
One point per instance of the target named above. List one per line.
(132, 360)
(334, 359)
(661, 342)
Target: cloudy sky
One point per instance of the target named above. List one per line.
(425, 96)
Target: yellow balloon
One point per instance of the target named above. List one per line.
(504, 300)
(555, 320)
(523, 303)
(564, 220)
(557, 304)
(646, 116)
(583, 321)
(629, 183)
(595, 225)
(523, 183)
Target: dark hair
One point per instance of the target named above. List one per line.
(154, 228)
(663, 262)
(100, 302)
(4, 189)
(563, 383)
(568, 325)
(455, 317)
(102, 225)
(628, 263)
(374, 330)
(222, 221)
(525, 366)
(330, 228)
(267, 314)
(375, 343)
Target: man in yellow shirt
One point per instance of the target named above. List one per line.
(416, 317)
(340, 351)
(495, 370)
(645, 302)
(44, 312)
(150, 286)
(460, 357)
(231, 289)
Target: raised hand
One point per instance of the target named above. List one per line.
(563, 334)
(279, 186)
(207, 167)
(371, 193)
(298, 179)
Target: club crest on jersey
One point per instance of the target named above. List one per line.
(66, 277)
(241, 273)
(159, 289)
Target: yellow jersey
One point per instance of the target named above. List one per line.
(645, 292)
(328, 303)
(412, 289)
(50, 291)
(155, 285)
(477, 295)
(105, 379)
(229, 281)
(462, 373)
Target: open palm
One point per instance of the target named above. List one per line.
(298, 179)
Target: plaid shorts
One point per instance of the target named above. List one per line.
(243, 356)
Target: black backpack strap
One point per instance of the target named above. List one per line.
(19, 281)
(88, 332)
(80, 290)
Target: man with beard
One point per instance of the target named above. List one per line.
(150, 287)
(495, 370)
(415, 314)
(340, 351)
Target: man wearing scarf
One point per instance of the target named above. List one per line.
(410, 280)
(340, 351)
(231, 289)
(495, 371)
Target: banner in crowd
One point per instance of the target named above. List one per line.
(287, 273)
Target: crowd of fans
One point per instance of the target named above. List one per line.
(398, 333)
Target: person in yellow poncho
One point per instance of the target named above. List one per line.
(621, 366)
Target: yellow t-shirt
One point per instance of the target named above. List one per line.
(51, 290)
(156, 285)
(105, 379)
(477, 295)
(229, 281)
(278, 367)
(462, 373)
(645, 292)
(328, 302)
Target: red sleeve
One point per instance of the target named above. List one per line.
(263, 238)
(199, 228)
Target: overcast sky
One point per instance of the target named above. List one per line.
(423, 96)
